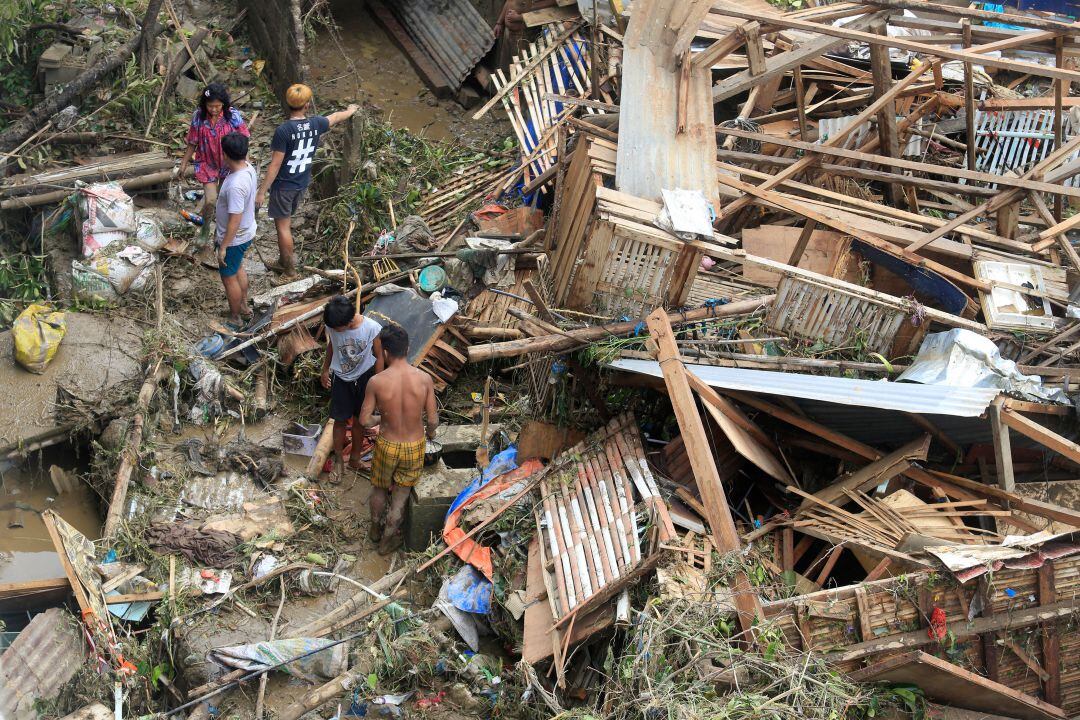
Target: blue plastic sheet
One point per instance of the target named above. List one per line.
(470, 591)
(502, 463)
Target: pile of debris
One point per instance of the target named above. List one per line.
(764, 341)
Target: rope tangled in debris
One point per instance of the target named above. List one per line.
(744, 144)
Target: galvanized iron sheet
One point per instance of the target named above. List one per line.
(451, 32)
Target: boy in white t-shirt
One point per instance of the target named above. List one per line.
(353, 356)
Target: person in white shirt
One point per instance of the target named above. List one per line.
(353, 356)
(235, 218)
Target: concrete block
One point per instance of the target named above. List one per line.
(430, 500)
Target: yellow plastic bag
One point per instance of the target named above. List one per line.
(37, 332)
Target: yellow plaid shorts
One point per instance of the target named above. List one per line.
(397, 463)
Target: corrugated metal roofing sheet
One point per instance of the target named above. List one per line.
(451, 32)
(44, 657)
(904, 397)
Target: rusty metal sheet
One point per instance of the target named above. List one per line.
(451, 32)
(38, 664)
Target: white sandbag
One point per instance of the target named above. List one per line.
(106, 213)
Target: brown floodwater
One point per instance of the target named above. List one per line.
(26, 553)
(359, 63)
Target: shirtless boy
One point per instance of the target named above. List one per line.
(403, 395)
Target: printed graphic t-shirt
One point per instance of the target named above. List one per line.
(298, 139)
(353, 355)
(237, 197)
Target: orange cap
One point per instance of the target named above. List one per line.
(298, 96)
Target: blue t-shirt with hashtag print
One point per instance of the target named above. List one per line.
(298, 139)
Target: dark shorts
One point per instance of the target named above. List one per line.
(234, 257)
(284, 203)
(347, 396)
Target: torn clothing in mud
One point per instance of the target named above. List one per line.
(214, 548)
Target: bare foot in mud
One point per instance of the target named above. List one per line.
(359, 465)
(337, 473)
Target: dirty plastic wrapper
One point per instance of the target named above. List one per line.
(37, 333)
(261, 656)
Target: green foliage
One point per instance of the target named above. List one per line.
(398, 167)
(23, 280)
(16, 16)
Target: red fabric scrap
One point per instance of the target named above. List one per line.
(937, 628)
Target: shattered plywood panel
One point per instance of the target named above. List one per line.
(826, 251)
(948, 683)
(1065, 493)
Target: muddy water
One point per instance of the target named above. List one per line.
(27, 553)
(363, 65)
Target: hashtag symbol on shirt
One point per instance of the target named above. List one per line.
(301, 156)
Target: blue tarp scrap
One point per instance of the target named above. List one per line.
(470, 591)
(501, 464)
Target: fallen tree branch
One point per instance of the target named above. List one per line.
(131, 448)
(86, 80)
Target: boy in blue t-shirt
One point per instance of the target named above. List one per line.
(289, 174)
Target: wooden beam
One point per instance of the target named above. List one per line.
(1040, 434)
(1063, 240)
(755, 52)
(778, 63)
(1012, 620)
(878, 471)
(969, 102)
(1003, 463)
(800, 245)
(718, 50)
(1023, 183)
(901, 43)
(699, 452)
(1046, 510)
(965, 11)
(834, 141)
(1051, 640)
(888, 140)
(859, 173)
(799, 208)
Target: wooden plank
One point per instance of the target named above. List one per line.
(944, 682)
(1022, 183)
(888, 139)
(1040, 434)
(966, 11)
(1013, 620)
(87, 609)
(699, 452)
(834, 140)
(799, 208)
(535, 18)
(876, 472)
(1003, 463)
(778, 63)
(1051, 640)
(902, 43)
